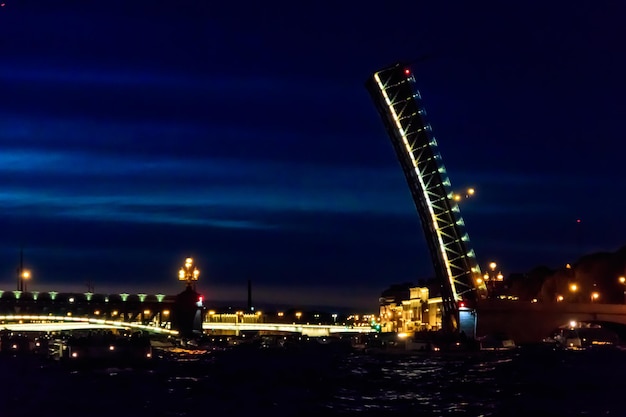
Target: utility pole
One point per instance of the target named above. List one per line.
(20, 268)
(250, 295)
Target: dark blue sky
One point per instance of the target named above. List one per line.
(136, 133)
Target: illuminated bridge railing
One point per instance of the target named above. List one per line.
(305, 329)
(47, 323)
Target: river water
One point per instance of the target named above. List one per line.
(321, 382)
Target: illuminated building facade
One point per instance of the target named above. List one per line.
(408, 309)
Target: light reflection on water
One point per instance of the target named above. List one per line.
(322, 382)
(519, 383)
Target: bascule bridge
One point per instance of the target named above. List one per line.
(399, 104)
(398, 101)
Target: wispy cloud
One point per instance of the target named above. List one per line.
(215, 83)
(206, 191)
(200, 191)
(528, 178)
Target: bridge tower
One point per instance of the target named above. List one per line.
(399, 103)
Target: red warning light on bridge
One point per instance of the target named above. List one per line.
(407, 71)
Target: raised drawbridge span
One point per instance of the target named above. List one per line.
(398, 101)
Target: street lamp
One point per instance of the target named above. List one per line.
(491, 277)
(595, 296)
(573, 288)
(25, 276)
(467, 194)
(622, 280)
(189, 273)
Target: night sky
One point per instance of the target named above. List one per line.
(136, 133)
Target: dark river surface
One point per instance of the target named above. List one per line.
(321, 382)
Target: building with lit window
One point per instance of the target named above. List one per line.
(407, 308)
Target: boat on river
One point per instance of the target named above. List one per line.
(582, 336)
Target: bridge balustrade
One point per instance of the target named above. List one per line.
(139, 308)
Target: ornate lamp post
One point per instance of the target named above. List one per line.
(189, 273)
